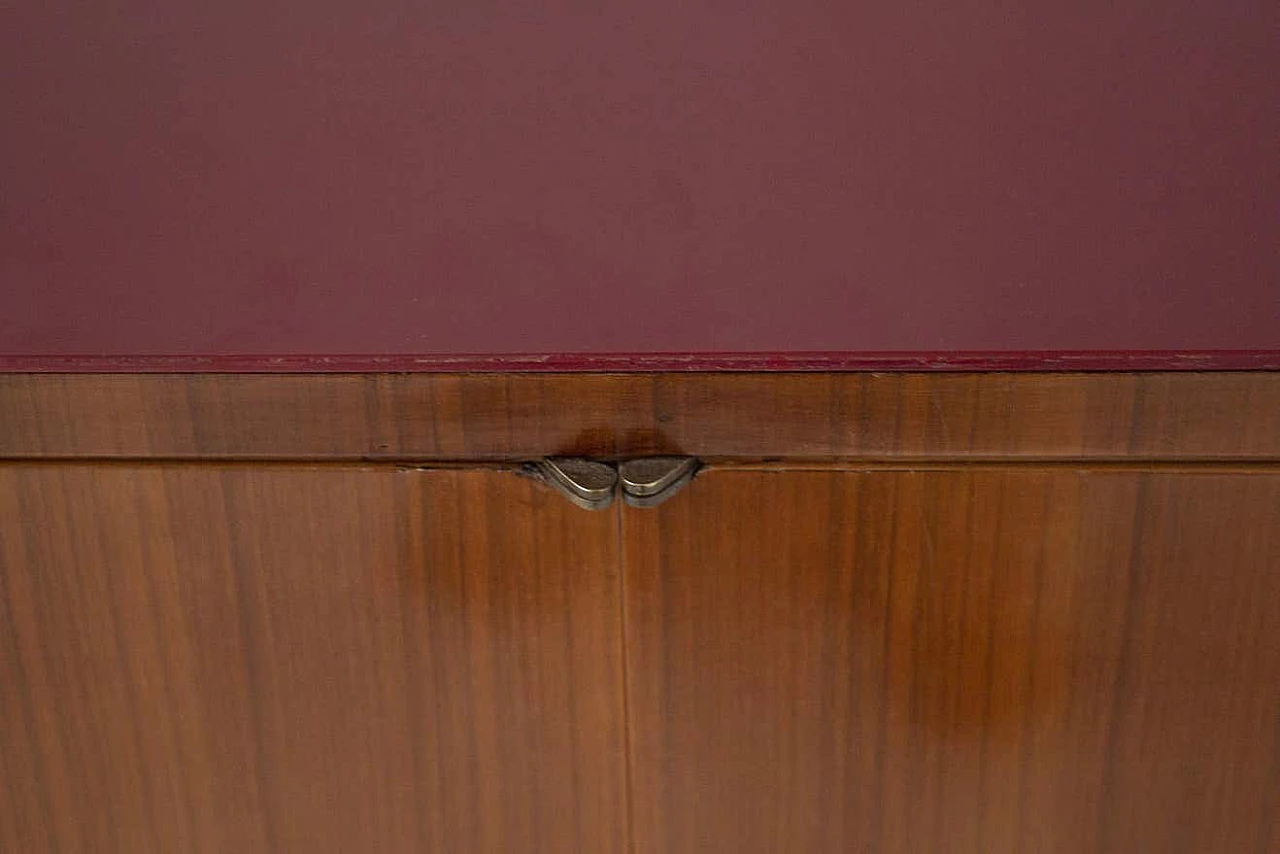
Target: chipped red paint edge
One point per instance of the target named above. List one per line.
(1207, 360)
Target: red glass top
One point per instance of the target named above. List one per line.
(402, 185)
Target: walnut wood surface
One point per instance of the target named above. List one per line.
(899, 612)
(223, 659)
(975, 660)
(512, 416)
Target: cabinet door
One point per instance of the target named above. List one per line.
(966, 660)
(249, 659)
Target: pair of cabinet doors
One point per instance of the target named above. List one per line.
(974, 657)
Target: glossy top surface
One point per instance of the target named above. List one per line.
(423, 185)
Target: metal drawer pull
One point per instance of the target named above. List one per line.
(645, 482)
(586, 483)
(649, 481)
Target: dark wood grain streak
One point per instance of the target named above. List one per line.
(224, 659)
(513, 416)
(963, 661)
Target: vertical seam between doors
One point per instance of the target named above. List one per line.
(627, 744)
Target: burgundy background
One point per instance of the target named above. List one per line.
(409, 185)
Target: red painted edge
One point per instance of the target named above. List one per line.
(1060, 361)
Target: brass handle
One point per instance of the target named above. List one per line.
(591, 484)
(649, 481)
(588, 484)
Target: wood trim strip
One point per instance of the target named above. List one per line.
(976, 360)
(486, 417)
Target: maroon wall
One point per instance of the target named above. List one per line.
(397, 178)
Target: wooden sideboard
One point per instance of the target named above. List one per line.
(966, 313)
(892, 612)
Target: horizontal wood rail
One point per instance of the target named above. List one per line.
(488, 417)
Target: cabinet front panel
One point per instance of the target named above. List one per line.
(973, 660)
(237, 659)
